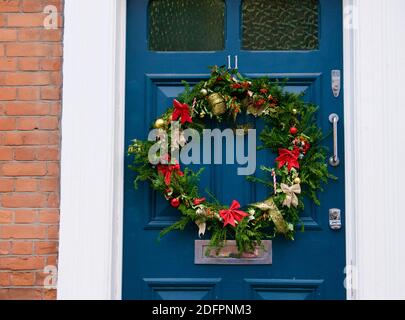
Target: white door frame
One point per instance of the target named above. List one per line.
(90, 254)
(92, 162)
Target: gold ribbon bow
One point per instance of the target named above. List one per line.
(201, 224)
(291, 194)
(270, 207)
(201, 227)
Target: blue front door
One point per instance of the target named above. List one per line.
(173, 40)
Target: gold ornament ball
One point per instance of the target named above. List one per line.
(204, 92)
(297, 180)
(159, 124)
(294, 111)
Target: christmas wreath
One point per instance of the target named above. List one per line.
(290, 131)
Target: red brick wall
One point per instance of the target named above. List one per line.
(30, 110)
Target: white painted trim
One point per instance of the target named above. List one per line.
(374, 71)
(92, 144)
(350, 160)
(90, 254)
(119, 154)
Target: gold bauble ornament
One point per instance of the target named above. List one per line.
(217, 104)
(204, 92)
(297, 180)
(294, 111)
(159, 123)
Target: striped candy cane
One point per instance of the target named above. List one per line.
(193, 106)
(273, 174)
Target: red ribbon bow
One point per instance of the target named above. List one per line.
(232, 214)
(288, 157)
(181, 110)
(167, 170)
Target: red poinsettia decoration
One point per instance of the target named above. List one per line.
(181, 110)
(289, 158)
(167, 170)
(232, 215)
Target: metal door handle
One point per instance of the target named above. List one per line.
(334, 160)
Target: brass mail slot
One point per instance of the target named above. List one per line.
(229, 254)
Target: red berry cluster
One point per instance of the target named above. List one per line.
(302, 143)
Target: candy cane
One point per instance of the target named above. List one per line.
(193, 106)
(273, 174)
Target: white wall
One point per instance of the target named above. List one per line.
(92, 150)
(378, 148)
